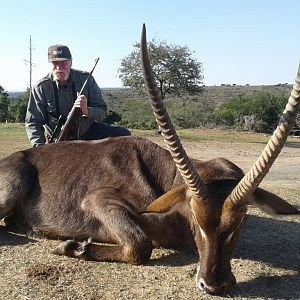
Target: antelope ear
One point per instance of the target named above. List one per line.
(272, 204)
(165, 202)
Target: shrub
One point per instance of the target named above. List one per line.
(265, 107)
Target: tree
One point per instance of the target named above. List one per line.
(3, 108)
(175, 71)
(3, 104)
(3, 92)
(17, 108)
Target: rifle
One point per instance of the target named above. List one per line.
(65, 128)
(57, 130)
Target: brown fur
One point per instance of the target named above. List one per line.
(127, 192)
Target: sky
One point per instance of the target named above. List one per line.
(254, 42)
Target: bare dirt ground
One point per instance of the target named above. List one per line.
(266, 262)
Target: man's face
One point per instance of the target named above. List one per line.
(61, 70)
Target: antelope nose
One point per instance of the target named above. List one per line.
(212, 290)
(202, 286)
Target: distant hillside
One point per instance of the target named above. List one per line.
(131, 109)
(216, 94)
(15, 94)
(210, 97)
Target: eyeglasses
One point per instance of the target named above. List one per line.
(61, 63)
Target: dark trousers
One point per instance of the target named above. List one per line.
(100, 131)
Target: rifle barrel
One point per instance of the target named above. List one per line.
(65, 131)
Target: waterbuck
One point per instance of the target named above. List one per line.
(126, 195)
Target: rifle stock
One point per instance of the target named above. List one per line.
(74, 111)
(57, 130)
(66, 127)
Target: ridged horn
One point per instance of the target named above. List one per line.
(263, 164)
(183, 163)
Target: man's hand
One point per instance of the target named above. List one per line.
(81, 102)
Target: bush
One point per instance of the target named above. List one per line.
(187, 113)
(265, 107)
(17, 109)
(135, 114)
(4, 102)
(112, 117)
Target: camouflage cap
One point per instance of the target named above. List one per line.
(59, 53)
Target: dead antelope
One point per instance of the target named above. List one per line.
(129, 193)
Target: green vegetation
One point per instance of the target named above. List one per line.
(12, 138)
(175, 70)
(259, 112)
(247, 108)
(243, 108)
(13, 109)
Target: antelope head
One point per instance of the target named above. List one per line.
(219, 208)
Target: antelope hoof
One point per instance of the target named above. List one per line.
(67, 248)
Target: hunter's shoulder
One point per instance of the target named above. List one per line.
(43, 81)
(79, 73)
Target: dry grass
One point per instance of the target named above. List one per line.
(266, 261)
(12, 138)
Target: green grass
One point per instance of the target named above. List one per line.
(228, 136)
(13, 137)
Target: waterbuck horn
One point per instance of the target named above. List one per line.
(263, 164)
(183, 163)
